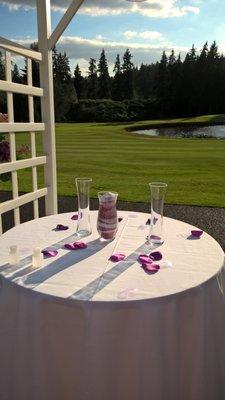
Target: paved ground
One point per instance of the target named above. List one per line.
(210, 219)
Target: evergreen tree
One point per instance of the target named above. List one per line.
(117, 65)
(20, 102)
(172, 59)
(174, 73)
(144, 81)
(201, 79)
(16, 77)
(213, 52)
(64, 90)
(61, 67)
(204, 53)
(213, 77)
(92, 82)
(189, 81)
(78, 81)
(35, 69)
(104, 91)
(117, 80)
(127, 69)
(161, 82)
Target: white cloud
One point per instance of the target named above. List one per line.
(130, 34)
(99, 37)
(80, 50)
(150, 8)
(146, 35)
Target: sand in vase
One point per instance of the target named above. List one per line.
(107, 223)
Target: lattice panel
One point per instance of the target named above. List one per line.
(12, 129)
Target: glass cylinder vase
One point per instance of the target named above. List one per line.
(107, 223)
(158, 191)
(83, 195)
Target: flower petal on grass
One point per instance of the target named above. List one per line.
(61, 227)
(50, 253)
(117, 257)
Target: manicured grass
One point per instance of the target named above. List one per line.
(125, 162)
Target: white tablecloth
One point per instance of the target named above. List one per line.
(66, 334)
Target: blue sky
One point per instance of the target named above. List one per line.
(146, 28)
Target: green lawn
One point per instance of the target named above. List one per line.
(125, 162)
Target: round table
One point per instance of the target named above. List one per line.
(83, 327)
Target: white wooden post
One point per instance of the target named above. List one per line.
(47, 103)
(32, 136)
(12, 138)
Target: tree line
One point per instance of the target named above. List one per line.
(169, 87)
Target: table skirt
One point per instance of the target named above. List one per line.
(171, 348)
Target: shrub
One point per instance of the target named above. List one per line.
(5, 155)
(112, 111)
(98, 111)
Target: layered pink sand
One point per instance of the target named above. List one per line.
(107, 216)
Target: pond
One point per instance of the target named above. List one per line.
(212, 131)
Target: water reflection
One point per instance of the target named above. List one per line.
(212, 131)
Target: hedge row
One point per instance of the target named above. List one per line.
(112, 111)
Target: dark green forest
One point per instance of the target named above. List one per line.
(170, 87)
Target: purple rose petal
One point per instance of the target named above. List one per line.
(151, 268)
(50, 253)
(74, 217)
(117, 257)
(61, 227)
(75, 246)
(69, 246)
(154, 237)
(79, 245)
(145, 259)
(197, 233)
(120, 219)
(156, 255)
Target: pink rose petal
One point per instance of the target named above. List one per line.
(151, 268)
(75, 246)
(79, 245)
(145, 259)
(50, 253)
(61, 227)
(156, 255)
(74, 217)
(197, 233)
(69, 246)
(117, 257)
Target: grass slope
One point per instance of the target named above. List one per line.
(126, 162)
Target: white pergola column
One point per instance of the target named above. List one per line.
(47, 103)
